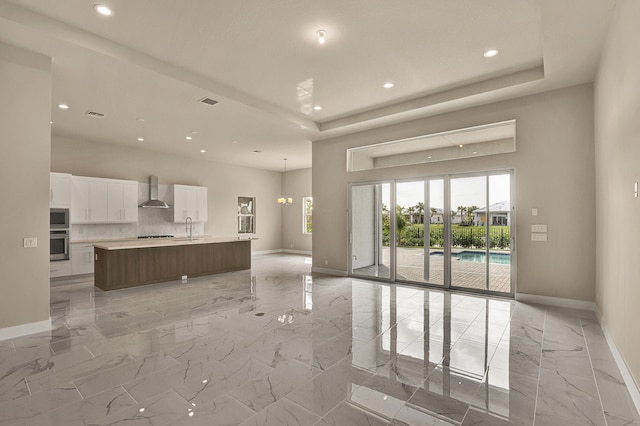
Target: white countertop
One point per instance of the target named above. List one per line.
(165, 242)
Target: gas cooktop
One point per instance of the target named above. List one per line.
(155, 236)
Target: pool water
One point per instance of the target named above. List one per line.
(480, 257)
(472, 256)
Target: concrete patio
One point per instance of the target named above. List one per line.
(463, 274)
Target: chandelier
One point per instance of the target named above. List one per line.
(284, 200)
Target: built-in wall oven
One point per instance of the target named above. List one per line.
(59, 244)
(59, 234)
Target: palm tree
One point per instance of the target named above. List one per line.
(411, 210)
(461, 210)
(420, 211)
(434, 212)
(470, 213)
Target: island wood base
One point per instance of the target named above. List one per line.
(133, 267)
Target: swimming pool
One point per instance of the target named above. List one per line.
(480, 257)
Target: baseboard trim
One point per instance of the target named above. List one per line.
(261, 252)
(25, 329)
(632, 386)
(555, 301)
(276, 251)
(336, 272)
(303, 252)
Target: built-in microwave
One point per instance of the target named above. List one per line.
(59, 218)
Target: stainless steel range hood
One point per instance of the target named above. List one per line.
(153, 202)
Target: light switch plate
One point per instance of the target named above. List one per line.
(30, 242)
(538, 228)
(538, 237)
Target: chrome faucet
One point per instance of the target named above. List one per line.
(189, 227)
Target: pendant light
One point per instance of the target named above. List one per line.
(284, 200)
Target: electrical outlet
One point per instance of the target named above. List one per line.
(30, 242)
(534, 212)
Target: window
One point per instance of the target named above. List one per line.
(307, 215)
(246, 215)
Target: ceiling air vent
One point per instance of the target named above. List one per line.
(208, 101)
(94, 114)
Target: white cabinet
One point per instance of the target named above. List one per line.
(97, 200)
(89, 202)
(81, 258)
(60, 190)
(189, 201)
(201, 205)
(122, 202)
(60, 268)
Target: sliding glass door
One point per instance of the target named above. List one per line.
(452, 231)
(371, 234)
(419, 231)
(480, 237)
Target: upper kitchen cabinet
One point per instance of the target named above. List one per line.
(89, 200)
(189, 201)
(122, 201)
(97, 200)
(60, 190)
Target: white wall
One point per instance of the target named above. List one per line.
(296, 184)
(617, 118)
(364, 229)
(25, 112)
(554, 166)
(225, 182)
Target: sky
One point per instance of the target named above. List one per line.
(467, 191)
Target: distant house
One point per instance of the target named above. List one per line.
(437, 216)
(499, 214)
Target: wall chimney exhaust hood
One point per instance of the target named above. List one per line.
(153, 202)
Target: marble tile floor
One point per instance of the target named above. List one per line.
(278, 345)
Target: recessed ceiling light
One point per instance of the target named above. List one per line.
(140, 139)
(429, 157)
(103, 10)
(63, 106)
(321, 36)
(388, 85)
(234, 141)
(491, 53)
(193, 132)
(203, 151)
(188, 138)
(51, 122)
(460, 145)
(140, 119)
(317, 107)
(475, 152)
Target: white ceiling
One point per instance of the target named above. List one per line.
(154, 59)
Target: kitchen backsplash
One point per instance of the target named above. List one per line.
(150, 222)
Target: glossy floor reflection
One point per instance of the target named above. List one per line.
(280, 346)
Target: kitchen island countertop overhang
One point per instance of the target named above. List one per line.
(165, 242)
